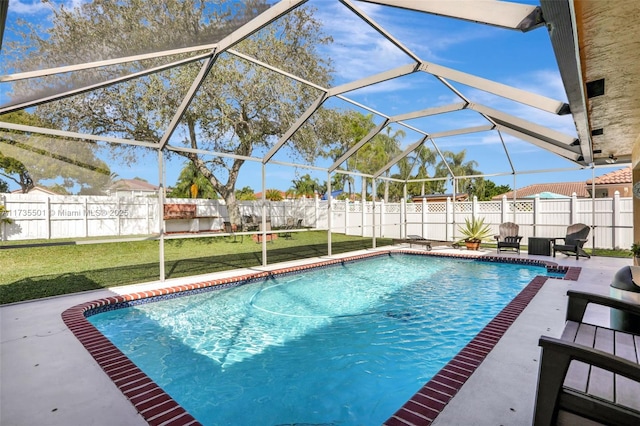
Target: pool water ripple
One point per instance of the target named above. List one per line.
(354, 343)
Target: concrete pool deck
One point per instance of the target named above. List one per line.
(47, 377)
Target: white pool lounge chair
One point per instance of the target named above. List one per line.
(419, 240)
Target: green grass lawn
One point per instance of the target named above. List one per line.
(37, 272)
(51, 270)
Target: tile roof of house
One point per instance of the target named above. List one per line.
(614, 177)
(133, 185)
(37, 189)
(564, 188)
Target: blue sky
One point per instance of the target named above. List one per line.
(522, 60)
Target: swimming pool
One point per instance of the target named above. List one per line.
(386, 337)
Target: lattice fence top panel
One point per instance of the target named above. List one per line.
(463, 207)
(522, 206)
(355, 207)
(436, 207)
(489, 207)
(338, 207)
(414, 208)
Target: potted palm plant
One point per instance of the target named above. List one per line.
(635, 249)
(474, 231)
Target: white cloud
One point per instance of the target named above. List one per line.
(425, 37)
(23, 7)
(35, 7)
(544, 82)
(358, 50)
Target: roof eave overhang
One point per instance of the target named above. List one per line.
(560, 22)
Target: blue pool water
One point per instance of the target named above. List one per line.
(343, 345)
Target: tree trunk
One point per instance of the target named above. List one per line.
(386, 188)
(233, 209)
(364, 188)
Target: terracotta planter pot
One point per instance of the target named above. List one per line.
(636, 260)
(472, 245)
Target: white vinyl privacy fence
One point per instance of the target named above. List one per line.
(53, 217)
(611, 219)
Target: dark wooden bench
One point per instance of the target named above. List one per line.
(591, 372)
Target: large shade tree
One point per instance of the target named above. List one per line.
(15, 171)
(241, 109)
(30, 160)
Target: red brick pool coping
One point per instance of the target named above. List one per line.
(158, 408)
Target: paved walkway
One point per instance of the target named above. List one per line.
(48, 378)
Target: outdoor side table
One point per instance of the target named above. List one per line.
(540, 245)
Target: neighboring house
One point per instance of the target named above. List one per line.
(132, 188)
(606, 185)
(36, 190)
(564, 188)
(433, 198)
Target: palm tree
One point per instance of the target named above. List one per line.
(355, 128)
(305, 186)
(459, 167)
(245, 194)
(377, 153)
(396, 189)
(392, 148)
(425, 158)
(192, 184)
(273, 195)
